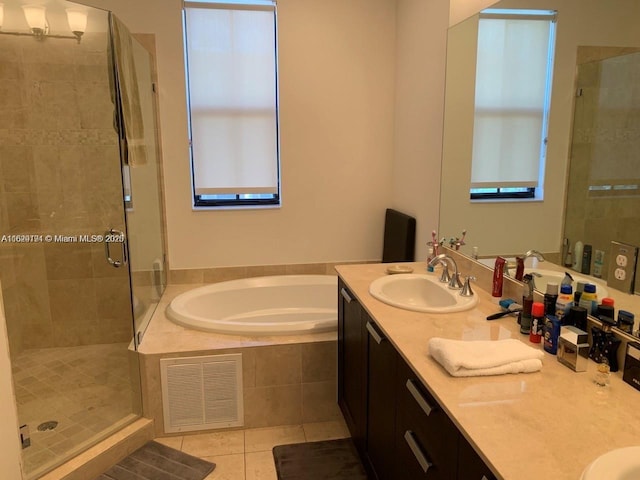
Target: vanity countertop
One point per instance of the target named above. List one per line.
(548, 424)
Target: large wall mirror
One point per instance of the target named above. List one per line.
(591, 189)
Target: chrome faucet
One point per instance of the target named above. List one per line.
(533, 253)
(530, 253)
(453, 280)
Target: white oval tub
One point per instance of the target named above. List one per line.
(283, 304)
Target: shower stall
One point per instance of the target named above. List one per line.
(81, 226)
(603, 188)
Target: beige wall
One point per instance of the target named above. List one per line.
(459, 10)
(515, 227)
(337, 84)
(60, 176)
(420, 65)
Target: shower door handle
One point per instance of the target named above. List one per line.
(115, 236)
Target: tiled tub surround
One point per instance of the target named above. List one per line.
(79, 387)
(287, 380)
(221, 274)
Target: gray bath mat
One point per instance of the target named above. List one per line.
(154, 461)
(327, 460)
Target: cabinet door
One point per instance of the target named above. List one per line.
(352, 365)
(470, 465)
(381, 407)
(426, 439)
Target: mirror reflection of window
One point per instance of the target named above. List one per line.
(514, 70)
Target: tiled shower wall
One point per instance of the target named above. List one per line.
(605, 145)
(60, 175)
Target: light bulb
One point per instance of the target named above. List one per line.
(35, 16)
(77, 20)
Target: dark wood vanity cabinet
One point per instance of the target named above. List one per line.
(399, 429)
(352, 360)
(382, 360)
(470, 465)
(426, 438)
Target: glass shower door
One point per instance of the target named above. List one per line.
(68, 311)
(603, 192)
(141, 173)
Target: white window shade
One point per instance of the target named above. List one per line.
(231, 58)
(511, 101)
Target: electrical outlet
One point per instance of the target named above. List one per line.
(622, 274)
(621, 260)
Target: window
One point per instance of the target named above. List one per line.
(231, 52)
(514, 68)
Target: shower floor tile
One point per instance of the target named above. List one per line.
(84, 389)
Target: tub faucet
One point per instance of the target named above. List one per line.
(453, 280)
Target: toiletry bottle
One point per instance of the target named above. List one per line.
(474, 253)
(578, 317)
(577, 256)
(551, 332)
(498, 272)
(625, 321)
(604, 344)
(568, 262)
(537, 320)
(527, 303)
(430, 257)
(605, 311)
(519, 268)
(567, 280)
(589, 299)
(586, 260)
(564, 302)
(598, 261)
(578, 292)
(550, 298)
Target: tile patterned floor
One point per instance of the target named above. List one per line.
(83, 388)
(246, 454)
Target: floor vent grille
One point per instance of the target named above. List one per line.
(202, 393)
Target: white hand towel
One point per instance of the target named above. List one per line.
(485, 357)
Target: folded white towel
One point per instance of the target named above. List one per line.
(485, 357)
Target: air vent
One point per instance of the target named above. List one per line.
(202, 393)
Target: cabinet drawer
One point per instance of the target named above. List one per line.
(426, 438)
(470, 465)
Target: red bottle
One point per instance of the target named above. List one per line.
(537, 322)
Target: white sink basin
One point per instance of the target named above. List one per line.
(619, 464)
(556, 277)
(420, 293)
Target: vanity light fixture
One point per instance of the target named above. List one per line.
(77, 21)
(36, 18)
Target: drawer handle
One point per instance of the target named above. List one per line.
(415, 393)
(372, 331)
(345, 295)
(417, 452)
